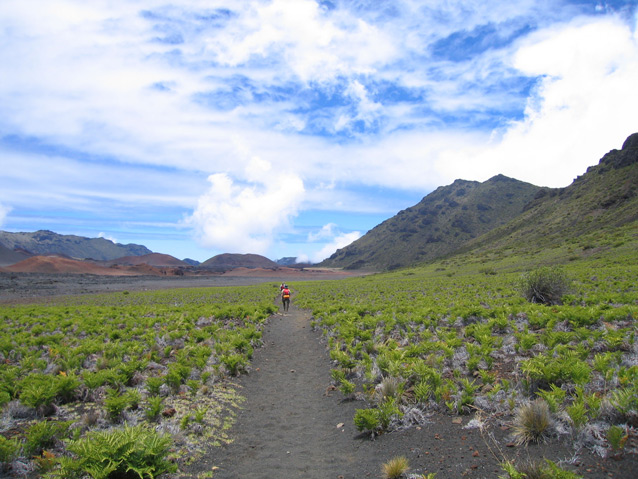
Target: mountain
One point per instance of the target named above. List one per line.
(287, 261)
(47, 242)
(152, 259)
(228, 261)
(503, 214)
(602, 201)
(436, 226)
(9, 256)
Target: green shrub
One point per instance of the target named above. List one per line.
(153, 385)
(8, 449)
(136, 451)
(115, 403)
(154, 407)
(346, 387)
(42, 435)
(367, 420)
(617, 437)
(38, 391)
(234, 363)
(536, 470)
(545, 285)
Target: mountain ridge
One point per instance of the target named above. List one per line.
(603, 197)
(442, 221)
(45, 242)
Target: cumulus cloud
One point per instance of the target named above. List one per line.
(333, 239)
(583, 105)
(312, 45)
(4, 212)
(244, 217)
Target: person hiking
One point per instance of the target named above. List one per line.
(285, 297)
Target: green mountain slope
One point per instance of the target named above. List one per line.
(439, 224)
(589, 213)
(505, 217)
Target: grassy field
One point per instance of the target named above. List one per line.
(102, 384)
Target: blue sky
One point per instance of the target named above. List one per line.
(292, 127)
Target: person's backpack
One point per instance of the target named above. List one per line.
(286, 294)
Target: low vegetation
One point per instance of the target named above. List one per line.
(81, 380)
(551, 348)
(395, 467)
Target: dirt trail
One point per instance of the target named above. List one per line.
(288, 424)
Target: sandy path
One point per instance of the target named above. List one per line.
(288, 424)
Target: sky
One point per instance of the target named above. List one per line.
(290, 128)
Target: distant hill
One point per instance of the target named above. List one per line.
(228, 261)
(56, 264)
(9, 256)
(152, 259)
(45, 242)
(503, 214)
(440, 223)
(62, 265)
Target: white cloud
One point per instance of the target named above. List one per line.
(101, 234)
(326, 231)
(4, 212)
(333, 239)
(584, 105)
(339, 241)
(244, 218)
(312, 45)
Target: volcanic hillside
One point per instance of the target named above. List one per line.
(228, 261)
(49, 243)
(436, 226)
(502, 214)
(153, 259)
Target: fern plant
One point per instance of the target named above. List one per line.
(127, 452)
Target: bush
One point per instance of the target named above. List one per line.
(367, 420)
(129, 452)
(42, 435)
(37, 391)
(545, 469)
(115, 403)
(545, 285)
(8, 449)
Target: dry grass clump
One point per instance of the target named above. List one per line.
(389, 388)
(532, 422)
(395, 467)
